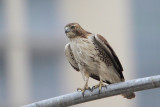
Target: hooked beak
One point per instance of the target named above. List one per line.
(67, 29)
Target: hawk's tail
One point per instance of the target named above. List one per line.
(129, 95)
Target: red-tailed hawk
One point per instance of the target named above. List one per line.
(92, 55)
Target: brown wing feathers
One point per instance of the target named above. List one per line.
(103, 44)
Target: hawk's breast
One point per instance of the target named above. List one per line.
(85, 53)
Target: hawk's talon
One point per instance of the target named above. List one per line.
(79, 89)
(100, 85)
(83, 90)
(89, 89)
(94, 87)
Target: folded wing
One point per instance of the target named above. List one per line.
(70, 57)
(104, 45)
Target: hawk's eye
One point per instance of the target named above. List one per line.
(72, 27)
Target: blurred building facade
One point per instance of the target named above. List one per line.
(32, 62)
(146, 21)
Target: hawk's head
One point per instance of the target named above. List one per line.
(73, 30)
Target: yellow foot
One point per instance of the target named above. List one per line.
(83, 89)
(100, 85)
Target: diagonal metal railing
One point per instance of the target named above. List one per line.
(109, 90)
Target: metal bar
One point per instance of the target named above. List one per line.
(109, 90)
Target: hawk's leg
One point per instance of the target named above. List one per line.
(86, 84)
(100, 85)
